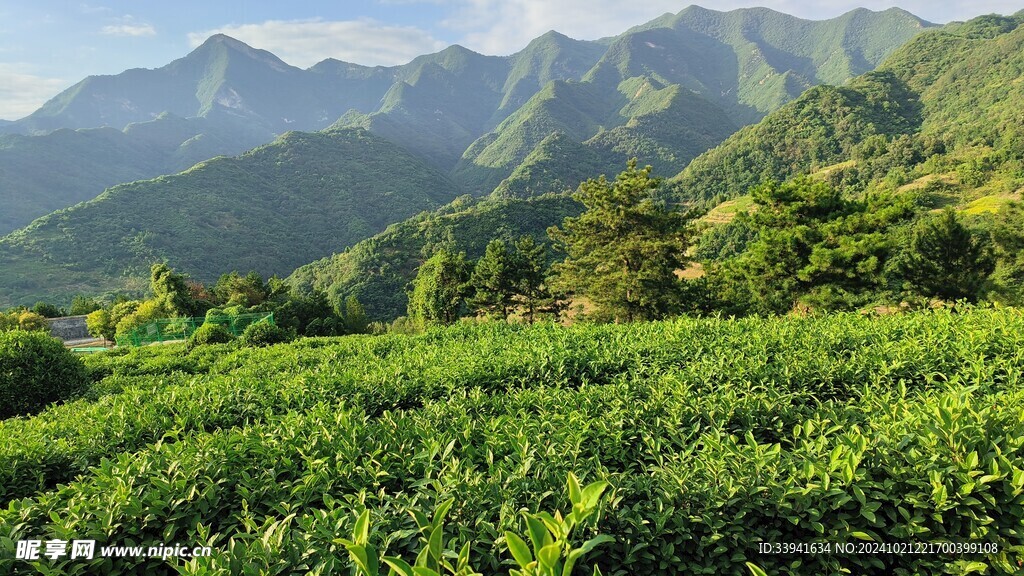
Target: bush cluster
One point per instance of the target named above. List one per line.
(265, 334)
(210, 333)
(35, 371)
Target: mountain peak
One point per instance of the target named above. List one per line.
(553, 35)
(458, 49)
(233, 45)
(225, 40)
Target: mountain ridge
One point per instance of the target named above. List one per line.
(268, 210)
(636, 95)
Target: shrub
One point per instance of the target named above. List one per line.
(144, 313)
(31, 321)
(265, 334)
(100, 324)
(36, 370)
(210, 334)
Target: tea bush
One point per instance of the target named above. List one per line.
(35, 371)
(265, 334)
(210, 333)
(713, 435)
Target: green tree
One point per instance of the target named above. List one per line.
(1008, 247)
(495, 280)
(32, 322)
(233, 289)
(355, 320)
(810, 247)
(47, 310)
(945, 259)
(146, 312)
(170, 290)
(99, 324)
(81, 305)
(439, 289)
(122, 310)
(624, 250)
(531, 286)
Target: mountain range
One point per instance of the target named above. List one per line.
(537, 121)
(939, 121)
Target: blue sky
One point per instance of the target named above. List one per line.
(48, 45)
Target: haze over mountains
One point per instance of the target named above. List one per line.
(540, 120)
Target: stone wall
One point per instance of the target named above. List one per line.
(69, 328)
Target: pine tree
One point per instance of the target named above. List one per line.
(495, 280)
(946, 260)
(531, 261)
(624, 250)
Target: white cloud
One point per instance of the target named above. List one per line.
(129, 30)
(22, 93)
(506, 26)
(128, 25)
(306, 42)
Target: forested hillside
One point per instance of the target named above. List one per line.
(269, 210)
(377, 270)
(916, 173)
(884, 151)
(941, 112)
(700, 72)
(42, 174)
(558, 112)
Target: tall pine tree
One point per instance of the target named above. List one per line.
(624, 251)
(494, 280)
(946, 260)
(531, 286)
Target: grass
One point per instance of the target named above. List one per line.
(726, 211)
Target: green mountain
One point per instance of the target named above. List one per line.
(939, 117)
(668, 90)
(667, 128)
(558, 163)
(942, 113)
(222, 78)
(820, 128)
(751, 61)
(442, 102)
(377, 270)
(539, 120)
(578, 110)
(222, 99)
(665, 92)
(270, 210)
(226, 97)
(41, 174)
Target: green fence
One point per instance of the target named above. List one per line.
(172, 329)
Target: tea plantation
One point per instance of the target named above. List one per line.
(713, 435)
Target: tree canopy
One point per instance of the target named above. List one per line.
(623, 252)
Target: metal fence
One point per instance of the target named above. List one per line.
(174, 329)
